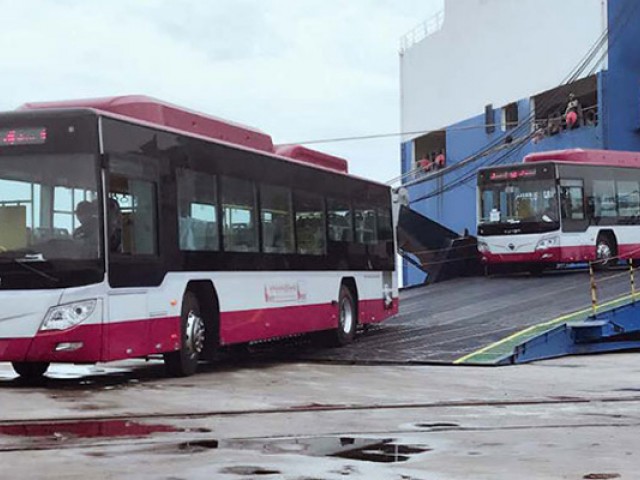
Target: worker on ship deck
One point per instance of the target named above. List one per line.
(573, 114)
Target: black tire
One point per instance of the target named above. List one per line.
(605, 251)
(30, 369)
(347, 319)
(184, 362)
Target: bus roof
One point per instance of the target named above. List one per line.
(153, 111)
(610, 158)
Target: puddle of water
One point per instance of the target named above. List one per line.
(249, 471)
(437, 425)
(85, 429)
(383, 452)
(199, 446)
(363, 449)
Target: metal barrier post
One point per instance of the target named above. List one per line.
(594, 294)
(633, 281)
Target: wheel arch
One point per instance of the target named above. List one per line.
(207, 296)
(350, 283)
(609, 234)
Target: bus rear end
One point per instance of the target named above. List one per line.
(519, 217)
(51, 256)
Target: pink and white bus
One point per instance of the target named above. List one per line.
(133, 228)
(560, 207)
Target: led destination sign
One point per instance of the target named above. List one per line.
(22, 136)
(512, 175)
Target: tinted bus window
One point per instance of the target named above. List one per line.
(239, 215)
(340, 221)
(385, 228)
(572, 200)
(628, 198)
(604, 192)
(197, 211)
(276, 215)
(132, 208)
(310, 226)
(366, 226)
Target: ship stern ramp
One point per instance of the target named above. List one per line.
(500, 320)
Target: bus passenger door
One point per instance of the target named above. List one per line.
(135, 263)
(575, 218)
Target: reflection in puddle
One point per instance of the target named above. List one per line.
(363, 449)
(85, 429)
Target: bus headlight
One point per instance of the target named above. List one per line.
(483, 247)
(549, 242)
(69, 315)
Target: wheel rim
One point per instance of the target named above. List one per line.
(346, 316)
(603, 252)
(194, 341)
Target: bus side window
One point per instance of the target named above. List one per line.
(276, 219)
(366, 226)
(310, 227)
(132, 207)
(240, 228)
(197, 211)
(340, 220)
(604, 192)
(385, 225)
(628, 197)
(572, 203)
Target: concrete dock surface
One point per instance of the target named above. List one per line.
(570, 418)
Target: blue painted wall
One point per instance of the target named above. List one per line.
(622, 85)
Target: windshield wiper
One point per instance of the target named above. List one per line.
(38, 257)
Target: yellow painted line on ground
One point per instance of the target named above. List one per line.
(549, 323)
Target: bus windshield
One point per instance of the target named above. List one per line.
(519, 202)
(49, 208)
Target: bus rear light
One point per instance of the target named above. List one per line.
(69, 346)
(66, 316)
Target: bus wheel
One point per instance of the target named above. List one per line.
(604, 252)
(30, 369)
(184, 362)
(347, 318)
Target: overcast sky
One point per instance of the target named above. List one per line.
(297, 69)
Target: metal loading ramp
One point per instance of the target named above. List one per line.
(483, 321)
(615, 328)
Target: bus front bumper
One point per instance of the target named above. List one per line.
(550, 255)
(23, 340)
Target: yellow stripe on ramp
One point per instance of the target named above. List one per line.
(541, 326)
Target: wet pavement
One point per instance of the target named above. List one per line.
(262, 413)
(572, 418)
